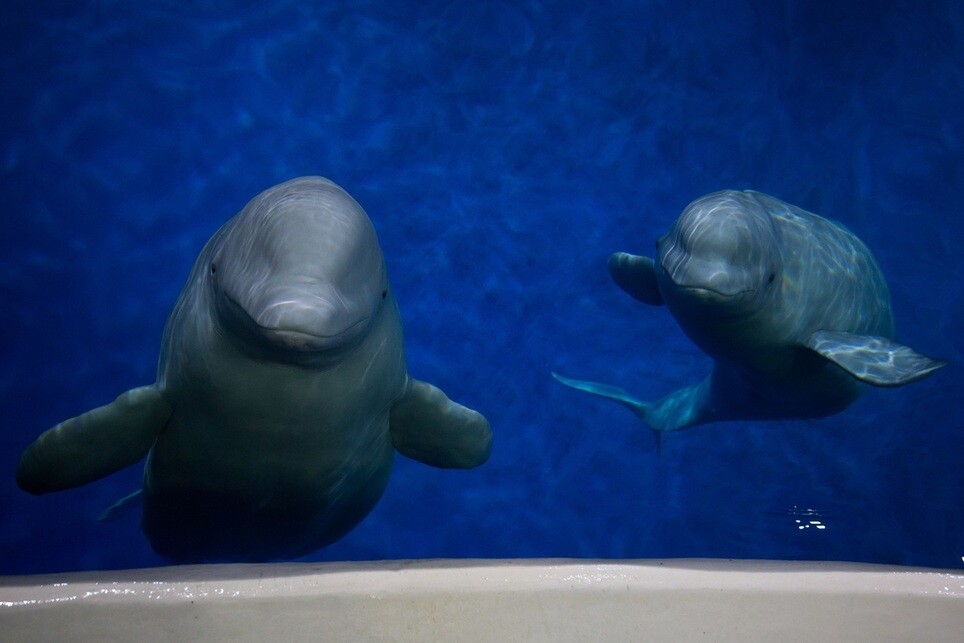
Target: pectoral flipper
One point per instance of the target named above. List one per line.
(94, 444)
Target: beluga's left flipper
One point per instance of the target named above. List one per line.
(429, 427)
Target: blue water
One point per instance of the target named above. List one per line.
(503, 150)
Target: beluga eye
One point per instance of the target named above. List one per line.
(214, 268)
(771, 278)
(384, 294)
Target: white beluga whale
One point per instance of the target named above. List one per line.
(281, 394)
(791, 306)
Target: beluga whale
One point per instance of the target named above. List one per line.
(792, 307)
(281, 395)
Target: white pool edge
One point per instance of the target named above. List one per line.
(490, 600)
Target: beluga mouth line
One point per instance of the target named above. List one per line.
(282, 329)
(704, 289)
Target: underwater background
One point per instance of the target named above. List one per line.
(503, 150)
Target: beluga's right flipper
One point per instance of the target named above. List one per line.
(94, 444)
(636, 275)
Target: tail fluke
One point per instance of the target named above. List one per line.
(606, 391)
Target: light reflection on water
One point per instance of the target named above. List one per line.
(805, 518)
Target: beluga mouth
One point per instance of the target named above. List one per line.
(303, 340)
(293, 326)
(710, 293)
(704, 279)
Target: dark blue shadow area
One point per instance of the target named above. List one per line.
(503, 151)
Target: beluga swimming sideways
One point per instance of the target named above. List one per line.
(791, 306)
(281, 393)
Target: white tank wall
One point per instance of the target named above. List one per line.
(512, 600)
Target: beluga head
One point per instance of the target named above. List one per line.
(298, 273)
(720, 258)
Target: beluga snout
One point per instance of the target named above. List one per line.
(721, 249)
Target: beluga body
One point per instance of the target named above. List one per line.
(792, 307)
(281, 395)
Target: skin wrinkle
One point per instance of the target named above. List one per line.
(372, 361)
